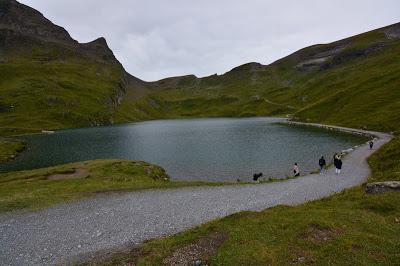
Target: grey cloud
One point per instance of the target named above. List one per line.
(155, 39)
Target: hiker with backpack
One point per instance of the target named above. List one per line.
(322, 164)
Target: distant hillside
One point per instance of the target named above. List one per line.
(50, 81)
(353, 82)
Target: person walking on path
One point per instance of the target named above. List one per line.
(338, 164)
(296, 170)
(322, 164)
(371, 144)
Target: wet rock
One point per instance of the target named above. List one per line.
(382, 187)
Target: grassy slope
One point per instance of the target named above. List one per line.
(366, 95)
(350, 228)
(361, 80)
(44, 85)
(50, 81)
(34, 189)
(47, 87)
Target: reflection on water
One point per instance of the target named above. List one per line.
(195, 149)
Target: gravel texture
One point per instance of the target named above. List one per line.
(66, 232)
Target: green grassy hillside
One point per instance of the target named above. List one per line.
(50, 81)
(51, 89)
(353, 82)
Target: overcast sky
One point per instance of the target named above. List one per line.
(155, 39)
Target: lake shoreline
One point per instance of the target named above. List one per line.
(208, 150)
(225, 200)
(284, 120)
(354, 131)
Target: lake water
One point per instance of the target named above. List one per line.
(221, 149)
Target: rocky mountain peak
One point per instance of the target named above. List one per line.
(98, 48)
(100, 41)
(252, 66)
(19, 19)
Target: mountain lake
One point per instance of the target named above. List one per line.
(212, 149)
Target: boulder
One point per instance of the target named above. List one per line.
(381, 187)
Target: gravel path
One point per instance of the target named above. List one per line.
(66, 232)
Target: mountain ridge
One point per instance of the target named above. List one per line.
(31, 43)
(48, 80)
(20, 18)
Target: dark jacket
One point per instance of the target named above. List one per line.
(322, 162)
(338, 163)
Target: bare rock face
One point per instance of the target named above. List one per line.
(319, 59)
(98, 48)
(381, 187)
(393, 32)
(19, 19)
(21, 26)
